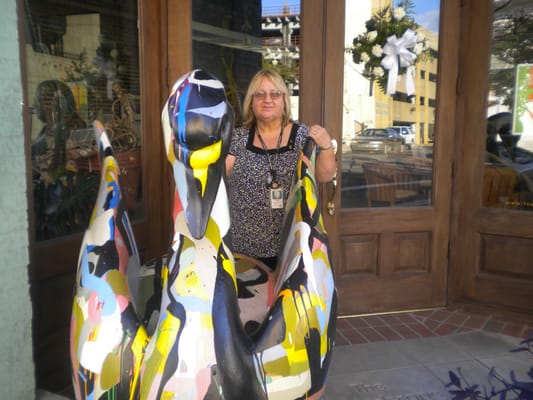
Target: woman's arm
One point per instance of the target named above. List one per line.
(326, 164)
(230, 162)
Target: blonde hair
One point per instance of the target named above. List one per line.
(249, 119)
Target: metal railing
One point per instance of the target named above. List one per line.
(289, 9)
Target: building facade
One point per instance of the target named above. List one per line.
(460, 240)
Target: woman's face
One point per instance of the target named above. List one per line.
(267, 102)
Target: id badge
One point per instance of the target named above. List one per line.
(276, 197)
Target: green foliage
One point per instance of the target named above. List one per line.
(512, 44)
(288, 71)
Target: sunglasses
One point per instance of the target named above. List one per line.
(274, 95)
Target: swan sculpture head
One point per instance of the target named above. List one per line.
(197, 122)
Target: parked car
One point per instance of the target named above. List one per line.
(406, 133)
(381, 140)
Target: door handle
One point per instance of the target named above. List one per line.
(331, 202)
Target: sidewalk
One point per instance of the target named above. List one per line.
(408, 356)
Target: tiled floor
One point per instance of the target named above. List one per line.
(421, 324)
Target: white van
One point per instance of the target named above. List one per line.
(407, 134)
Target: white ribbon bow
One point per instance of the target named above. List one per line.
(397, 55)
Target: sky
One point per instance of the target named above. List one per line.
(426, 11)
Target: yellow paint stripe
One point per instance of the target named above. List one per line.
(201, 159)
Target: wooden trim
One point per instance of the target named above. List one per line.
(179, 40)
(321, 90)
(157, 182)
(445, 136)
(333, 101)
(474, 53)
(166, 49)
(312, 61)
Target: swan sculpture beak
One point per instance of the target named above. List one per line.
(197, 121)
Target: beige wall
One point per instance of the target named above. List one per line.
(16, 354)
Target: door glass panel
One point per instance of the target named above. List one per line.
(508, 177)
(389, 102)
(233, 40)
(82, 64)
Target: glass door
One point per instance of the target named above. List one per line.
(392, 225)
(493, 247)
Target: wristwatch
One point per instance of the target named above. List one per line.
(332, 145)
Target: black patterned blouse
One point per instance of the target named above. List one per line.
(255, 226)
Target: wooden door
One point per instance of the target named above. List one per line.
(393, 257)
(492, 240)
(132, 35)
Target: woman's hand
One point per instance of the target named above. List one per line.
(320, 136)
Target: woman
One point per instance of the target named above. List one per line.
(261, 162)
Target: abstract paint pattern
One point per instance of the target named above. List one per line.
(199, 348)
(107, 341)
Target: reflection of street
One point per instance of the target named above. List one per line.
(520, 161)
(508, 177)
(415, 165)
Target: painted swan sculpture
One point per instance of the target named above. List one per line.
(199, 348)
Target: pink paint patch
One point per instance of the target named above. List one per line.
(317, 245)
(152, 393)
(123, 302)
(72, 347)
(203, 379)
(123, 255)
(177, 205)
(308, 163)
(94, 308)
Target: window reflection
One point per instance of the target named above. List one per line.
(233, 40)
(82, 64)
(508, 177)
(388, 116)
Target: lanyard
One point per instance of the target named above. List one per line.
(271, 177)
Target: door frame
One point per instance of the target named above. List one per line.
(322, 61)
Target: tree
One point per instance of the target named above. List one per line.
(512, 44)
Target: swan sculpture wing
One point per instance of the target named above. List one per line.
(296, 340)
(199, 349)
(107, 340)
